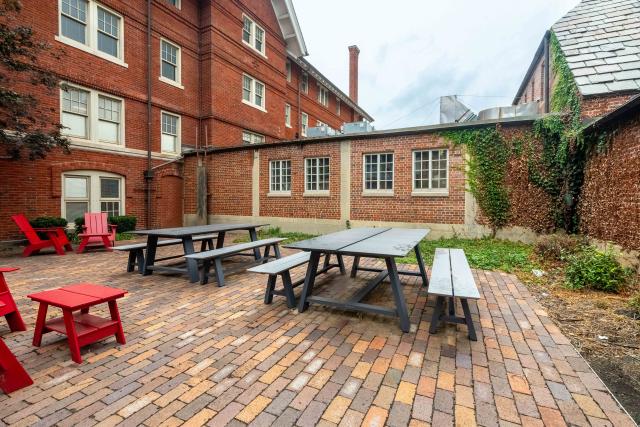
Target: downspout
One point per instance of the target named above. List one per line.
(299, 133)
(547, 65)
(148, 174)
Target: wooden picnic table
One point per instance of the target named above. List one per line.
(186, 235)
(383, 243)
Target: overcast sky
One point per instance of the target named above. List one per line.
(414, 51)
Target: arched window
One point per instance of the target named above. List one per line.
(91, 191)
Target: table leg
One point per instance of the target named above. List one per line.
(288, 289)
(437, 312)
(115, 315)
(192, 264)
(220, 240)
(423, 271)
(354, 266)
(401, 305)
(150, 259)
(72, 336)
(271, 285)
(309, 280)
(341, 264)
(468, 320)
(40, 322)
(254, 236)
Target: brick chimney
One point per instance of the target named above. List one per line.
(353, 72)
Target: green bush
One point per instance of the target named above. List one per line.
(123, 223)
(597, 270)
(634, 303)
(48, 222)
(557, 246)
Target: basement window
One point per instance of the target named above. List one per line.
(93, 28)
(280, 177)
(430, 172)
(253, 35)
(252, 138)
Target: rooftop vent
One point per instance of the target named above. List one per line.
(521, 110)
(454, 111)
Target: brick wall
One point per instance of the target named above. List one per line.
(403, 206)
(610, 202)
(595, 106)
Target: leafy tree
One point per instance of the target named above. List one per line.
(25, 125)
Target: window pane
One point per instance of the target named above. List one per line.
(169, 53)
(169, 71)
(75, 101)
(108, 131)
(76, 9)
(109, 109)
(73, 29)
(109, 188)
(246, 30)
(107, 44)
(75, 187)
(246, 88)
(169, 124)
(76, 210)
(259, 39)
(75, 125)
(111, 208)
(169, 143)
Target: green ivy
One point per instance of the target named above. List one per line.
(558, 168)
(487, 167)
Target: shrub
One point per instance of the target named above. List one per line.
(48, 222)
(634, 303)
(597, 270)
(123, 223)
(557, 246)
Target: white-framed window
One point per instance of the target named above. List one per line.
(319, 123)
(92, 27)
(304, 83)
(175, 3)
(287, 68)
(323, 95)
(280, 176)
(252, 138)
(287, 115)
(431, 171)
(316, 174)
(304, 124)
(91, 191)
(378, 172)
(338, 106)
(253, 35)
(170, 133)
(170, 63)
(91, 115)
(253, 92)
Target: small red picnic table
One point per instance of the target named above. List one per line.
(81, 328)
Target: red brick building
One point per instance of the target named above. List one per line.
(145, 81)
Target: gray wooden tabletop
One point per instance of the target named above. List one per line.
(196, 229)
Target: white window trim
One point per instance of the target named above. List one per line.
(287, 123)
(92, 115)
(306, 89)
(378, 192)
(92, 34)
(252, 93)
(163, 79)
(422, 192)
(91, 174)
(321, 90)
(274, 193)
(316, 193)
(303, 131)
(179, 132)
(252, 42)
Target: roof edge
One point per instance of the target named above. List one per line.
(307, 66)
(381, 133)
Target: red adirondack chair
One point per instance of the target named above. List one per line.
(8, 307)
(56, 237)
(12, 375)
(97, 231)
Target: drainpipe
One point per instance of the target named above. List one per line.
(148, 174)
(299, 133)
(547, 65)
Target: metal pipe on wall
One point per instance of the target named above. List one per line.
(148, 174)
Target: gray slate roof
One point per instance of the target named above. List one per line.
(601, 42)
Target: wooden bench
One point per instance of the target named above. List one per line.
(216, 256)
(136, 250)
(451, 278)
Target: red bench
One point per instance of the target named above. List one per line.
(80, 328)
(12, 375)
(8, 307)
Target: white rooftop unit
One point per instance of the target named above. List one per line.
(357, 127)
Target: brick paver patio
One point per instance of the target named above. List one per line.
(207, 355)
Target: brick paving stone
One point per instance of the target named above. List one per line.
(219, 356)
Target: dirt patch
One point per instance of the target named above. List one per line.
(602, 327)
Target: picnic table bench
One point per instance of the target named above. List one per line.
(451, 278)
(136, 250)
(217, 255)
(281, 267)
